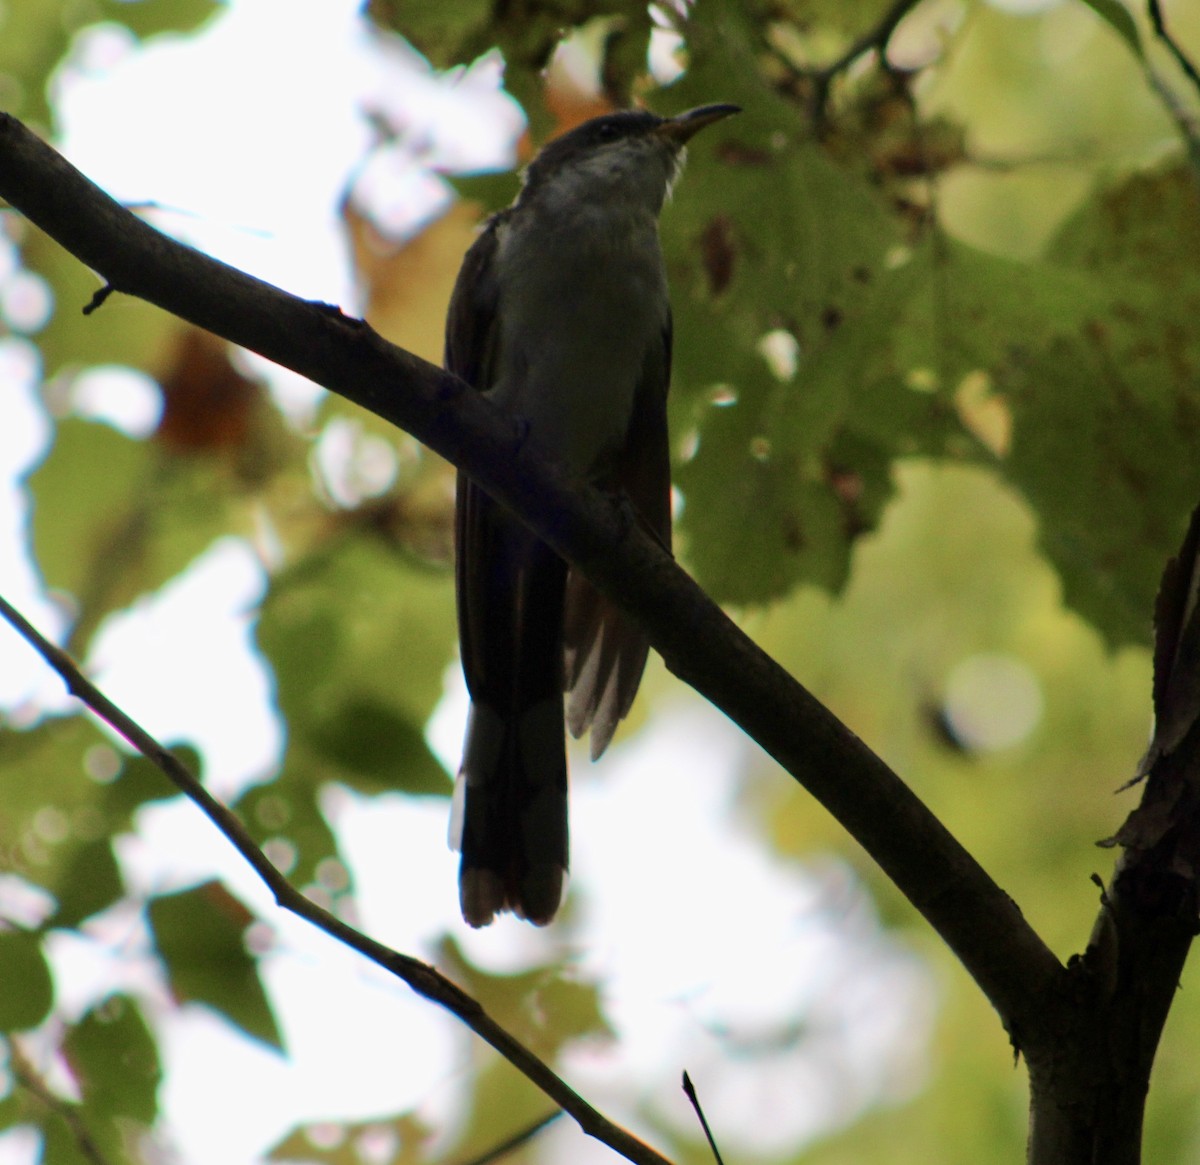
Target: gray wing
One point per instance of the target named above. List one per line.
(606, 651)
(471, 319)
(511, 797)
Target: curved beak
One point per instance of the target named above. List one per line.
(681, 128)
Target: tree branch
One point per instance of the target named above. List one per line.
(1177, 109)
(1185, 63)
(421, 977)
(698, 642)
(875, 39)
(1088, 1094)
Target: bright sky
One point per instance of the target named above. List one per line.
(696, 932)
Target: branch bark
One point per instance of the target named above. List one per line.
(698, 642)
(425, 980)
(1088, 1089)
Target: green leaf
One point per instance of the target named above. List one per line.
(285, 817)
(114, 1058)
(402, 1140)
(45, 782)
(624, 55)
(88, 503)
(139, 781)
(459, 32)
(359, 639)
(911, 343)
(28, 989)
(448, 33)
(1143, 226)
(146, 18)
(763, 479)
(1107, 413)
(90, 881)
(114, 517)
(34, 40)
(200, 935)
(67, 793)
(777, 241)
(493, 190)
(379, 749)
(66, 1141)
(356, 618)
(548, 1006)
(1108, 405)
(125, 331)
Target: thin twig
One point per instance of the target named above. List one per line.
(515, 1142)
(1184, 119)
(1164, 34)
(875, 38)
(689, 1090)
(421, 977)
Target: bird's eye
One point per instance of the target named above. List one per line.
(607, 131)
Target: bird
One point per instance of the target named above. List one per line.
(561, 316)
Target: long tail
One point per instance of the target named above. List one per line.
(510, 814)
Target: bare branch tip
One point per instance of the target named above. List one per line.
(517, 1141)
(1159, 24)
(98, 299)
(690, 1091)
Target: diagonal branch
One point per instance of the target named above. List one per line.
(874, 39)
(698, 642)
(421, 977)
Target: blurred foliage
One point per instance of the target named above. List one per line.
(402, 1141)
(114, 1065)
(68, 795)
(200, 935)
(935, 397)
(527, 34)
(29, 992)
(114, 1058)
(35, 37)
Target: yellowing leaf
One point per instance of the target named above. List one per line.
(408, 286)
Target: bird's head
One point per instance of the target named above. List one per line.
(633, 155)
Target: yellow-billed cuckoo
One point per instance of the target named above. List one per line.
(561, 315)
